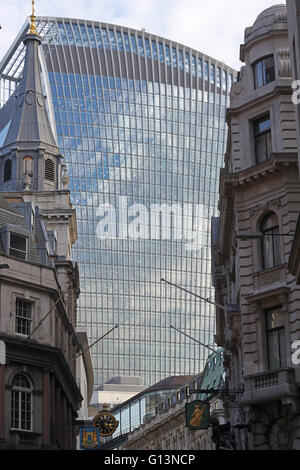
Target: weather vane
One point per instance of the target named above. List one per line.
(32, 24)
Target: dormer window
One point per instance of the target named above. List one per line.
(17, 246)
(264, 72)
(7, 170)
(49, 170)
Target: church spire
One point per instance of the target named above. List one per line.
(30, 145)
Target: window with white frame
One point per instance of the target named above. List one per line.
(21, 403)
(23, 317)
(18, 246)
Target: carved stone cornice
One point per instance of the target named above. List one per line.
(279, 293)
(264, 205)
(284, 63)
(279, 161)
(239, 88)
(269, 278)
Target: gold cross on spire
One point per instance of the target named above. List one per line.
(32, 24)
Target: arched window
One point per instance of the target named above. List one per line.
(49, 170)
(270, 241)
(7, 170)
(21, 403)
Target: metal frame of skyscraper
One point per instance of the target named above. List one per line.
(142, 117)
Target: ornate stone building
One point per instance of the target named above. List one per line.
(293, 9)
(167, 430)
(39, 283)
(259, 205)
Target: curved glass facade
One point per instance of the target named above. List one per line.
(141, 122)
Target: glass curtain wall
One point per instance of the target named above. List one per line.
(140, 120)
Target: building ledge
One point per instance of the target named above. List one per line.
(280, 290)
(269, 278)
(24, 439)
(271, 386)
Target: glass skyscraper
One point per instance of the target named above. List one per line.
(141, 123)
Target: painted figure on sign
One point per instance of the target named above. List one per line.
(197, 416)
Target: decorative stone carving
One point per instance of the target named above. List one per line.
(281, 15)
(266, 205)
(27, 182)
(284, 61)
(237, 87)
(65, 177)
(29, 97)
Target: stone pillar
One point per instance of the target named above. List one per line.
(58, 417)
(52, 411)
(70, 429)
(46, 408)
(64, 423)
(2, 402)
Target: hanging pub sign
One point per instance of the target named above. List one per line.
(197, 415)
(89, 438)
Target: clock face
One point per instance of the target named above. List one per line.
(106, 422)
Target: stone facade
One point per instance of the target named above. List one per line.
(168, 431)
(39, 283)
(167, 428)
(293, 9)
(259, 205)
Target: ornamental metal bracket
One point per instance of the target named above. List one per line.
(229, 396)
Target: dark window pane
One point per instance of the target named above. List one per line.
(276, 339)
(263, 140)
(269, 70)
(7, 171)
(264, 72)
(17, 246)
(270, 242)
(260, 149)
(274, 350)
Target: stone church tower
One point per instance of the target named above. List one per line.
(31, 168)
(42, 374)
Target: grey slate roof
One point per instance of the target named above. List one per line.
(26, 110)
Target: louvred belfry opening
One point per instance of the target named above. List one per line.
(49, 170)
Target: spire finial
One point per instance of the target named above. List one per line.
(32, 24)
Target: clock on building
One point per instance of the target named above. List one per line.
(106, 422)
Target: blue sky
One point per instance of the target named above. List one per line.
(215, 27)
